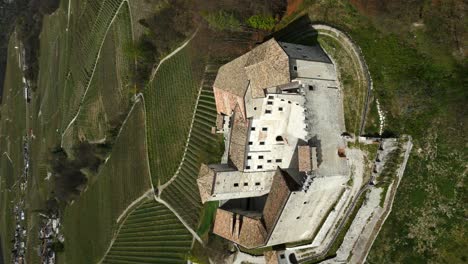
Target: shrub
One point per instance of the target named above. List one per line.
(222, 20)
(263, 22)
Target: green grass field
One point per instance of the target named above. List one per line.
(170, 100)
(91, 221)
(151, 234)
(12, 130)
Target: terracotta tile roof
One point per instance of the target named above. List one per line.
(238, 139)
(205, 181)
(267, 66)
(271, 257)
(281, 188)
(264, 66)
(243, 230)
(304, 158)
(232, 77)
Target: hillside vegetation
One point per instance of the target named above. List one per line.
(420, 80)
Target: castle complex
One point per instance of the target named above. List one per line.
(280, 109)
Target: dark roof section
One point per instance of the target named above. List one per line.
(243, 230)
(282, 187)
(302, 52)
(238, 139)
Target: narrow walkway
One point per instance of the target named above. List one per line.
(195, 235)
(124, 215)
(343, 38)
(146, 194)
(153, 73)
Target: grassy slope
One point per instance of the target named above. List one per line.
(108, 95)
(46, 109)
(151, 234)
(183, 193)
(423, 95)
(170, 99)
(12, 129)
(91, 221)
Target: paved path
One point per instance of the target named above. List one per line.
(346, 40)
(361, 258)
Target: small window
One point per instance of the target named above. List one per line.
(311, 88)
(259, 167)
(282, 100)
(257, 184)
(268, 112)
(236, 185)
(252, 129)
(246, 184)
(247, 167)
(269, 102)
(295, 68)
(282, 256)
(250, 143)
(262, 143)
(269, 161)
(305, 202)
(264, 128)
(289, 102)
(298, 217)
(278, 160)
(271, 97)
(260, 157)
(255, 108)
(249, 157)
(280, 108)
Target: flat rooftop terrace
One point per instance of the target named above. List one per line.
(325, 119)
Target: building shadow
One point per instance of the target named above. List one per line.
(299, 31)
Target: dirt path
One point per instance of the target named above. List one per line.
(147, 194)
(153, 73)
(195, 235)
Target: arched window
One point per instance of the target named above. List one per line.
(279, 139)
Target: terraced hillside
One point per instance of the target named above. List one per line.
(170, 100)
(202, 146)
(89, 26)
(151, 234)
(107, 98)
(91, 221)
